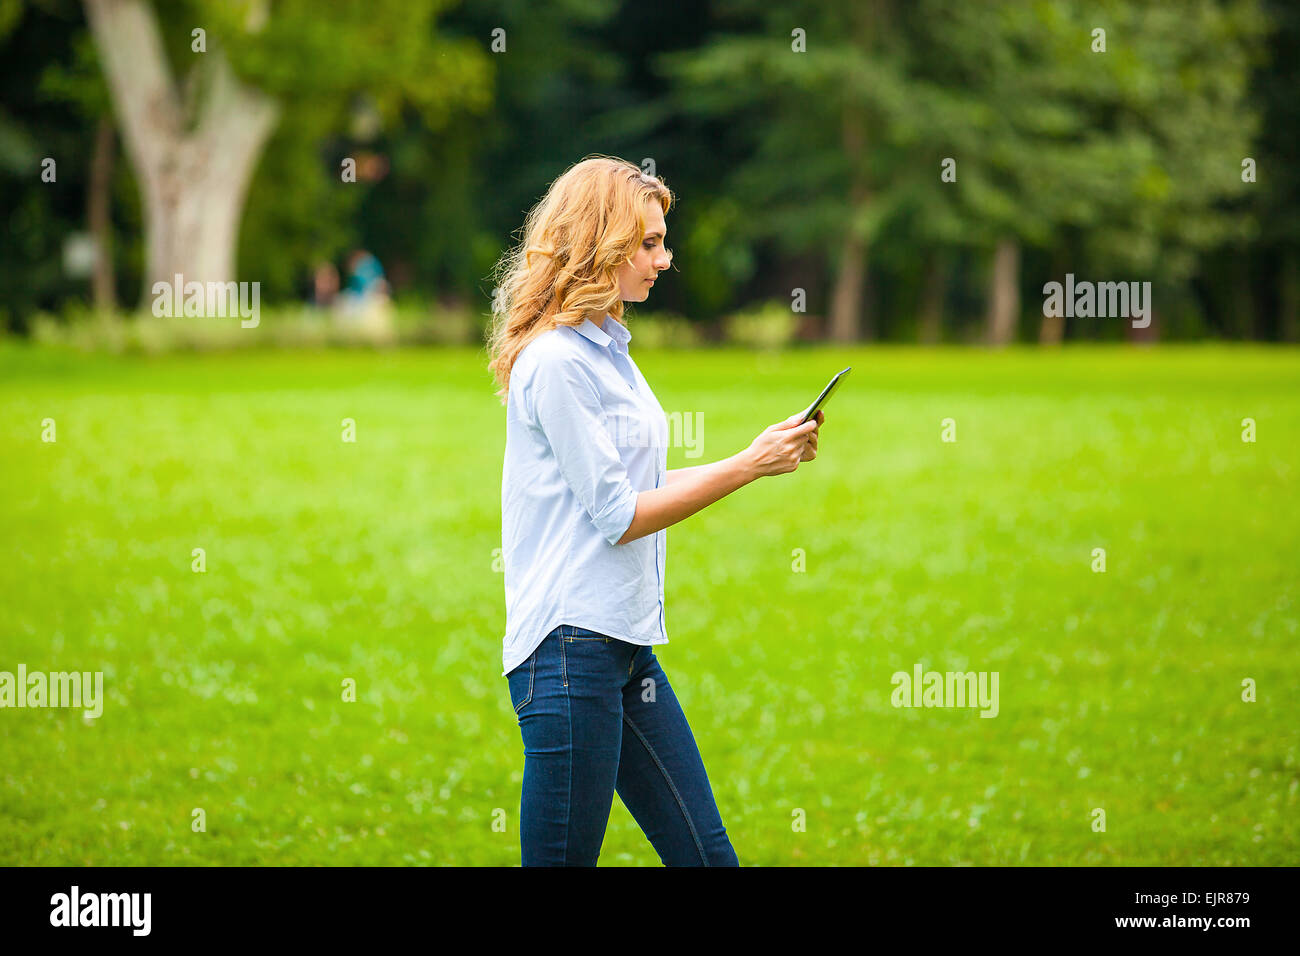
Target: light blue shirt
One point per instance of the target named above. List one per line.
(584, 435)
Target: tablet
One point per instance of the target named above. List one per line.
(826, 394)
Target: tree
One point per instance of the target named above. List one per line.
(194, 144)
(1128, 138)
(40, 124)
(821, 86)
(1052, 136)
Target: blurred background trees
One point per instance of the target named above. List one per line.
(918, 170)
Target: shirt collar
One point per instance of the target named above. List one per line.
(618, 332)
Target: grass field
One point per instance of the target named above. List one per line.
(328, 560)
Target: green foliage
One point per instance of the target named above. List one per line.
(711, 260)
(298, 212)
(1134, 151)
(309, 54)
(1125, 163)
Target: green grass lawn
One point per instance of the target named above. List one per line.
(373, 560)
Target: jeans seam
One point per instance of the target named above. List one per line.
(532, 670)
(681, 804)
(568, 800)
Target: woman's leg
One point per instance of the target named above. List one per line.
(661, 776)
(568, 698)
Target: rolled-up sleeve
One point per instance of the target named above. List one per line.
(567, 408)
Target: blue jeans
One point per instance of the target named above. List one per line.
(598, 716)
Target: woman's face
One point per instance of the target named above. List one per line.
(636, 276)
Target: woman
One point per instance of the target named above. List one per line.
(585, 498)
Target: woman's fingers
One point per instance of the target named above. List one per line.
(810, 442)
(787, 443)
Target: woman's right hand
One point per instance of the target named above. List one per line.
(780, 447)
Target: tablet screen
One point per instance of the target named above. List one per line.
(824, 397)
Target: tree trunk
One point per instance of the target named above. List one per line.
(193, 177)
(1148, 336)
(848, 323)
(1252, 326)
(1004, 294)
(1289, 296)
(930, 316)
(99, 204)
(846, 301)
(1051, 331)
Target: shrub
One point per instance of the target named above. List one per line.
(287, 326)
(664, 330)
(770, 325)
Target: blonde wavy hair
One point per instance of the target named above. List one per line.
(565, 268)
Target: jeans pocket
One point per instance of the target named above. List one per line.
(521, 683)
(572, 633)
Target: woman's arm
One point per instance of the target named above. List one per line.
(778, 450)
(685, 494)
(676, 474)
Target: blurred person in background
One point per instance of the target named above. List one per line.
(364, 302)
(325, 285)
